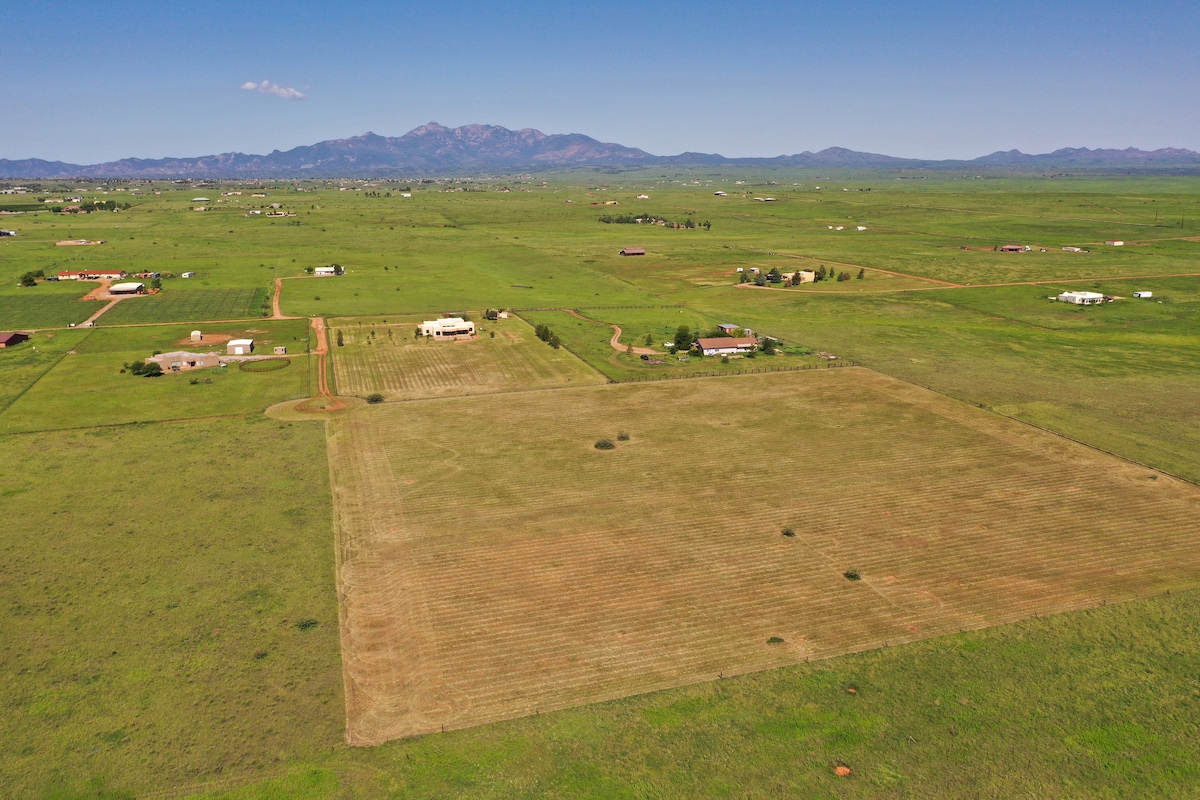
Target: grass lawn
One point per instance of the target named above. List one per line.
(168, 606)
(506, 356)
(539, 572)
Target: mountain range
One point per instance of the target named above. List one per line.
(435, 150)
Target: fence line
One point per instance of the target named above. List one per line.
(666, 376)
(598, 308)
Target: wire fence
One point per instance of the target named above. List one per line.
(679, 375)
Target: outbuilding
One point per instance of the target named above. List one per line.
(10, 339)
(634, 251)
(1115, 243)
(1143, 294)
(320, 271)
(240, 347)
(130, 287)
(197, 336)
(1081, 298)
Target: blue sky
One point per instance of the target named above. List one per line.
(86, 82)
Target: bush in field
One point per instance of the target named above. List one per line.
(775, 640)
(341, 342)
(374, 398)
(788, 532)
(605, 444)
(852, 575)
(623, 436)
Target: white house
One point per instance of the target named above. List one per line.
(1081, 298)
(1115, 243)
(188, 275)
(240, 347)
(448, 328)
(325, 271)
(1143, 294)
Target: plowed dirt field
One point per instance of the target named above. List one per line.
(493, 564)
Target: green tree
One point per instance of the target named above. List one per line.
(649, 340)
(774, 275)
(341, 342)
(683, 338)
(862, 273)
(742, 277)
(28, 280)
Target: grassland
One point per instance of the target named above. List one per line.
(1091, 704)
(506, 356)
(58, 399)
(168, 606)
(1095, 704)
(526, 570)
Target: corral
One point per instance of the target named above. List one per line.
(524, 570)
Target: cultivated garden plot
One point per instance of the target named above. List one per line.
(506, 356)
(494, 563)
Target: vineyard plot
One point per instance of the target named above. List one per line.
(506, 356)
(493, 563)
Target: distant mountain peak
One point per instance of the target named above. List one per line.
(434, 149)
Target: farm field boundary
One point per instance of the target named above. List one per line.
(524, 570)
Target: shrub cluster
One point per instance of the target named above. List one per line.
(144, 369)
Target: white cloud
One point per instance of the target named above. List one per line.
(266, 87)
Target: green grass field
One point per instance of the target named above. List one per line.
(47, 305)
(1090, 704)
(168, 603)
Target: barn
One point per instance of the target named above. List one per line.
(1081, 298)
(10, 339)
(129, 287)
(240, 347)
(634, 251)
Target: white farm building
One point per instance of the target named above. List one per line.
(1081, 298)
(448, 328)
(240, 347)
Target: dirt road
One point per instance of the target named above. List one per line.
(615, 341)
